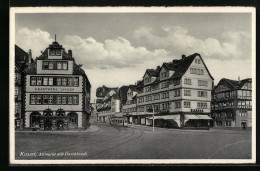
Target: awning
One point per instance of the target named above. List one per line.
(174, 117)
(191, 117)
(156, 117)
(206, 117)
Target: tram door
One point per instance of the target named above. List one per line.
(48, 125)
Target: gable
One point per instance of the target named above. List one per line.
(198, 69)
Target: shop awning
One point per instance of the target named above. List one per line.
(174, 117)
(206, 117)
(191, 117)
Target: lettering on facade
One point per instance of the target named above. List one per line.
(55, 89)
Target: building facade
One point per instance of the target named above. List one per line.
(177, 94)
(108, 106)
(22, 60)
(232, 103)
(129, 109)
(57, 92)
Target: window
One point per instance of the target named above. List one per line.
(202, 83)
(50, 65)
(64, 99)
(16, 77)
(187, 81)
(58, 52)
(64, 65)
(45, 99)
(50, 80)
(75, 100)
(58, 99)
(52, 52)
(59, 65)
(70, 100)
(177, 93)
(202, 94)
(50, 100)
(45, 65)
(16, 91)
(45, 80)
(64, 81)
(177, 104)
(202, 105)
(39, 80)
(187, 104)
(33, 99)
(197, 61)
(70, 82)
(39, 99)
(16, 107)
(187, 93)
(196, 71)
(76, 81)
(58, 81)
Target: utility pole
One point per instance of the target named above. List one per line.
(153, 118)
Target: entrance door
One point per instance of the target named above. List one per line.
(48, 125)
(60, 125)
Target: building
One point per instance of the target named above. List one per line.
(57, 92)
(129, 109)
(177, 94)
(108, 106)
(232, 103)
(22, 60)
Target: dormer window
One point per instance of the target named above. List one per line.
(55, 52)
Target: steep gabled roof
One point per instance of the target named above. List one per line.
(234, 84)
(103, 91)
(153, 72)
(185, 63)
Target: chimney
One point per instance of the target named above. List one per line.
(70, 53)
(30, 57)
(182, 57)
(158, 68)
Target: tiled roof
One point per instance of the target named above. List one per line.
(235, 83)
(103, 91)
(184, 64)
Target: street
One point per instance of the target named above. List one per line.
(134, 142)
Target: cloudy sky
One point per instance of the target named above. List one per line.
(116, 49)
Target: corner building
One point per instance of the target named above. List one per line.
(57, 92)
(178, 94)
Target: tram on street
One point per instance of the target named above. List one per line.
(118, 121)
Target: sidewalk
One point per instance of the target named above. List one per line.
(91, 128)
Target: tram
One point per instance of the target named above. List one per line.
(118, 121)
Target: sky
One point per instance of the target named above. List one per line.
(116, 49)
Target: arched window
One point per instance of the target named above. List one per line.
(48, 112)
(35, 119)
(60, 112)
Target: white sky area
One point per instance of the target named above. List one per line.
(116, 49)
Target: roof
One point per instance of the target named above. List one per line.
(54, 45)
(103, 91)
(234, 84)
(184, 64)
(153, 72)
(21, 59)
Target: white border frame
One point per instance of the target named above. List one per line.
(15, 10)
